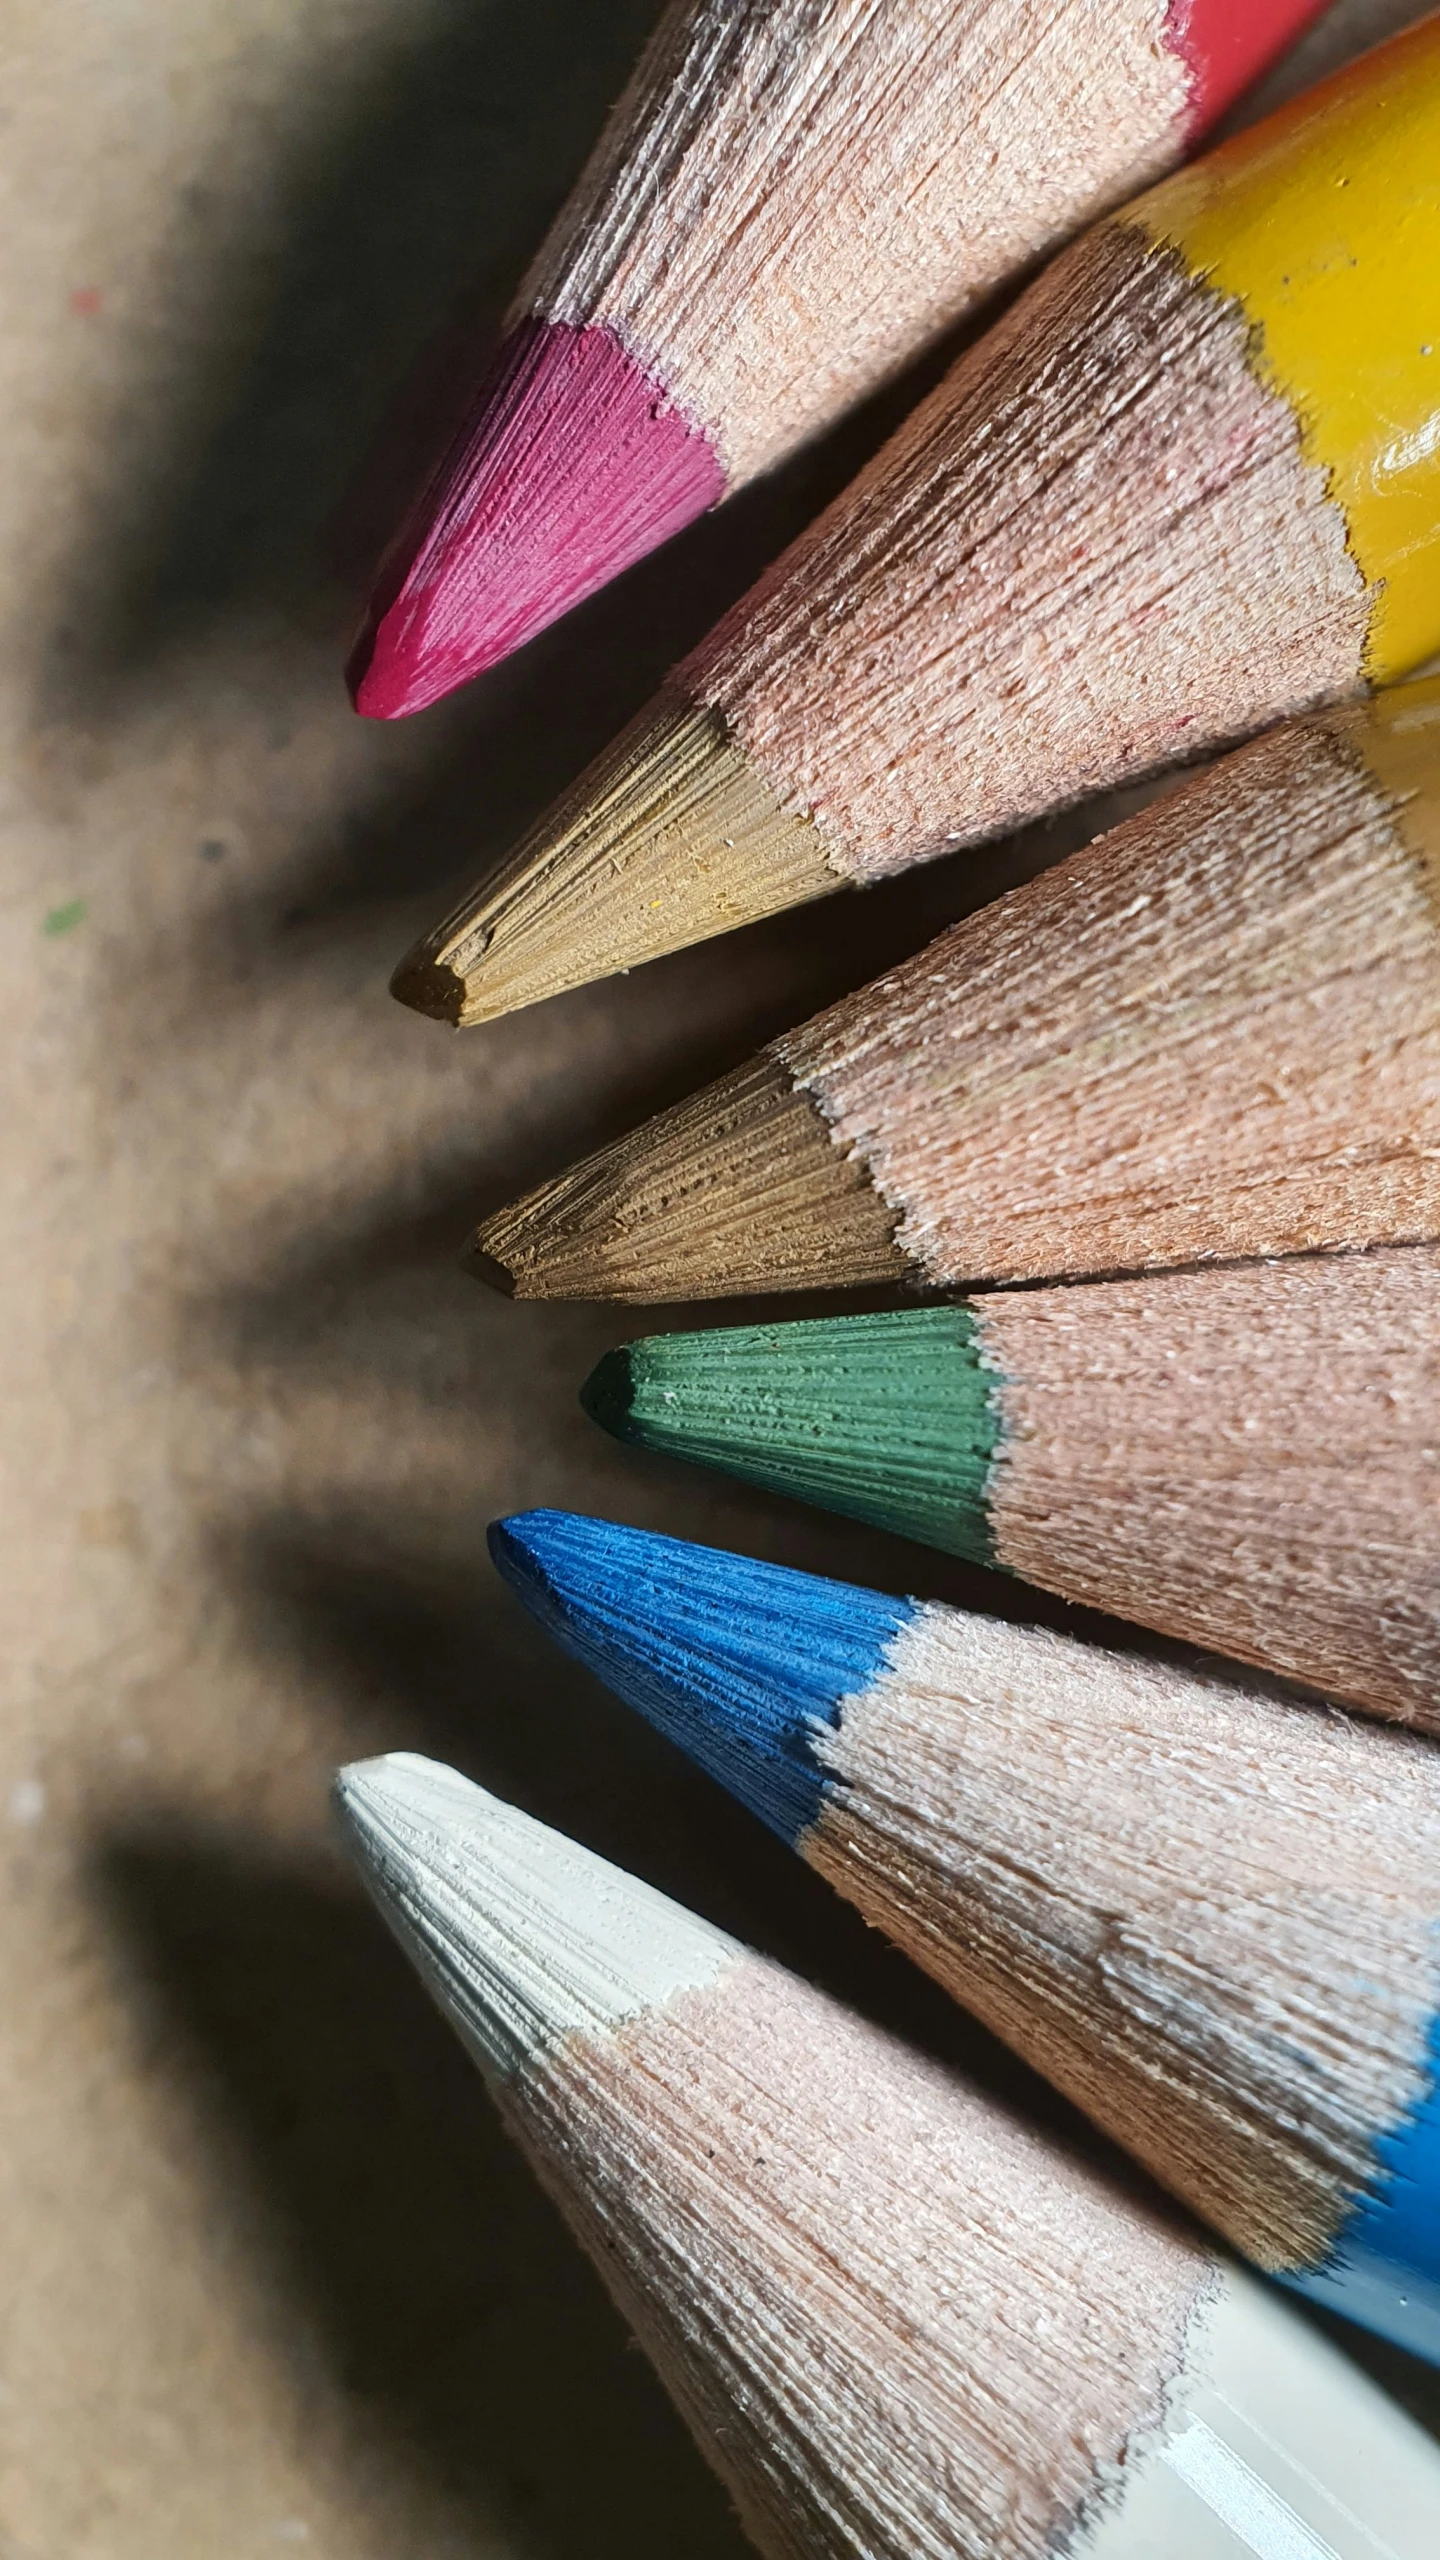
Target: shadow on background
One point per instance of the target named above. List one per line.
(469, 2335)
(387, 233)
(348, 299)
(426, 1649)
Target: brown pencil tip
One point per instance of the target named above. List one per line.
(739, 1189)
(429, 985)
(670, 837)
(485, 1266)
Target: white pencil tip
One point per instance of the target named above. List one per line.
(523, 1936)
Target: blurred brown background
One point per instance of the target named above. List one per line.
(270, 2275)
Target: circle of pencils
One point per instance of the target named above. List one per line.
(790, 200)
(1188, 486)
(1184, 493)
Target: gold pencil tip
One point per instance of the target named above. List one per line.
(670, 837)
(487, 1267)
(429, 985)
(739, 1189)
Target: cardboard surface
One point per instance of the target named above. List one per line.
(271, 2276)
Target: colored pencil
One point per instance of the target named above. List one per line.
(790, 199)
(1247, 1457)
(1214, 1033)
(900, 2324)
(1188, 486)
(1210, 1916)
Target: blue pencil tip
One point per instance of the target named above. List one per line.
(740, 1663)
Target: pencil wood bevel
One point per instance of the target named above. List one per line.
(773, 221)
(1215, 1033)
(1247, 1458)
(903, 2323)
(728, 2158)
(791, 199)
(1096, 549)
(1163, 1892)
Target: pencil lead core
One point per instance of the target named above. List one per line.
(669, 837)
(607, 1396)
(739, 1188)
(483, 1266)
(571, 464)
(429, 987)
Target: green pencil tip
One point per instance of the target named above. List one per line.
(608, 1395)
(890, 1418)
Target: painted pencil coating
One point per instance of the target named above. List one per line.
(898, 2322)
(833, 1634)
(1226, 47)
(1244, 1457)
(790, 199)
(1184, 489)
(891, 1418)
(484, 559)
(1072, 1842)
(1214, 1033)
(1346, 307)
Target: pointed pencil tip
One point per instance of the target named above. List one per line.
(608, 1393)
(429, 986)
(570, 466)
(742, 1664)
(487, 1268)
(522, 1935)
(891, 1418)
(739, 1188)
(669, 837)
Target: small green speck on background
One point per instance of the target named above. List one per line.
(64, 919)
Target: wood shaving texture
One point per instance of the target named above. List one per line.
(1216, 1032)
(1206, 1914)
(1095, 550)
(794, 195)
(903, 2326)
(1248, 1458)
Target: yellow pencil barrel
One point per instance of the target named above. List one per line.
(1325, 226)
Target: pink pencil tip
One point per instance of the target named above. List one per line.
(571, 465)
(1227, 44)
